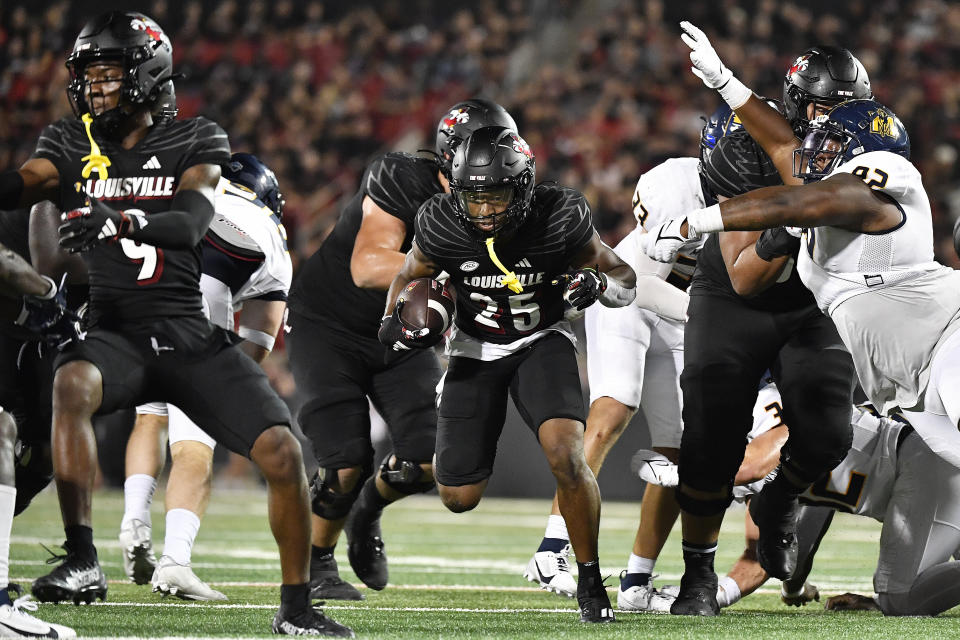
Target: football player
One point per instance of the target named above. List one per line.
(246, 269)
(515, 253)
(867, 254)
(340, 367)
(138, 198)
(750, 312)
(634, 358)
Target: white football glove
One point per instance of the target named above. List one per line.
(663, 241)
(655, 468)
(706, 63)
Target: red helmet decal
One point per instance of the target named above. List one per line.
(152, 30)
(520, 145)
(455, 117)
(800, 64)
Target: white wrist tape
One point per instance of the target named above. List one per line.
(617, 295)
(735, 93)
(703, 221)
(261, 338)
(730, 589)
(53, 289)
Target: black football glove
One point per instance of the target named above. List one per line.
(777, 242)
(88, 226)
(582, 287)
(394, 333)
(49, 317)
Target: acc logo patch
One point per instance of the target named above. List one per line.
(882, 124)
(469, 265)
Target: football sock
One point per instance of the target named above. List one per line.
(8, 498)
(555, 537)
(321, 554)
(588, 575)
(728, 591)
(182, 528)
(698, 558)
(637, 564)
(80, 541)
(294, 597)
(137, 496)
(634, 580)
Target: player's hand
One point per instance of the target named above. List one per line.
(88, 226)
(776, 242)
(664, 241)
(808, 593)
(851, 602)
(49, 316)
(582, 287)
(655, 468)
(396, 335)
(706, 63)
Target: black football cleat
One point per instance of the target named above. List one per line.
(697, 596)
(365, 546)
(775, 514)
(309, 622)
(75, 580)
(326, 583)
(594, 603)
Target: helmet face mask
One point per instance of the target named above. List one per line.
(822, 150)
(141, 51)
(492, 182)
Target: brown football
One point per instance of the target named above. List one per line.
(426, 303)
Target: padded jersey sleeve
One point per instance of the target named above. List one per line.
(399, 183)
(579, 230)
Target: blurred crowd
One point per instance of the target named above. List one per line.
(601, 90)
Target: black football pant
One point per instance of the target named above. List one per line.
(728, 347)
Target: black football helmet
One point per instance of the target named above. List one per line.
(492, 168)
(248, 171)
(139, 45)
(823, 75)
(461, 120)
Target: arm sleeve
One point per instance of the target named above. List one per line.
(182, 227)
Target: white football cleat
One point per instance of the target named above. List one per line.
(655, 468)
(552, 571)
(15, 622)
(643, 598)
(172, 579)
(139, 561)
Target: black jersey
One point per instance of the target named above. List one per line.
(558, 227)
(15, 231)
(132, 281)
(324, 290)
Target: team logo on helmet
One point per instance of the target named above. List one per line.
(800, 64)
(520, 145)
(882, 124)
(455, 117)
(151, 30)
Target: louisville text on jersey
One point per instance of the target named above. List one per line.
(137, 188)
(496, 282)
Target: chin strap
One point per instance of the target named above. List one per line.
(95, 160)
(511, 281)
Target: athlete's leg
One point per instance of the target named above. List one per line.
(145, 456)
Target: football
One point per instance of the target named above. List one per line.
(426, 303)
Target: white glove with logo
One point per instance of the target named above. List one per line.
(655, 468)
(663, 242)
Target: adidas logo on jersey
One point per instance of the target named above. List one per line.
(524, 263)
(152, 163)
(139, 187)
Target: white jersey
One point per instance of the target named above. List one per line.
(244, 223)
(863, 481)
(891, 302)
(839, 264)
(671, 189)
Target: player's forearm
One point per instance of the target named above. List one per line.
(376, 269)
(183, 227)
(772, 131)
(750, 275)
(18, 278)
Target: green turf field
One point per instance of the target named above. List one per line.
(451, 576)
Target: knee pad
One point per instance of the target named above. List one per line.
(327, 503)
(407, 478)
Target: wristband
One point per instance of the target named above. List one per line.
(617, 295)
(703, 221)
(735, 93)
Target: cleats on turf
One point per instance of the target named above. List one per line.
(551, 570)
(642, 598)
(697, 596)
(776, 516)
(136, 547)
(326, 583)
(16, 621)
(75, 580)
(594, 602)
(365, 546)
(172, 579)
(309, 622)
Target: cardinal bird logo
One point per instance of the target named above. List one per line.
(520, 145)
(455, 117)
(799, 65)
(151, 30)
